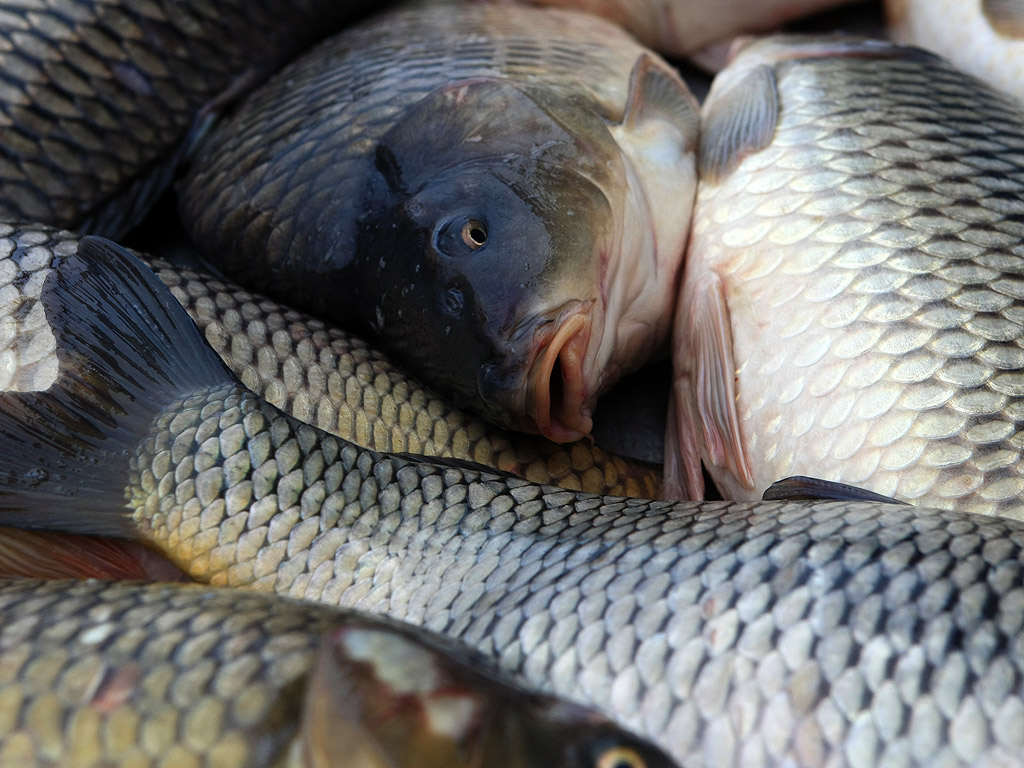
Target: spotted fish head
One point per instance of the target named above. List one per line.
(382, 697)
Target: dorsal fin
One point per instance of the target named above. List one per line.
(737, 123)
(657, 94)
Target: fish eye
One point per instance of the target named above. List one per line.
(620, 757)
(474, 233)
(461, 235)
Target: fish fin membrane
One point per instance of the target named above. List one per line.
(802, 488)
(737, 123)
(683, 478)
(710, 410)
(126, 350)
(48, 555)
(655, 93)
(1006, 17)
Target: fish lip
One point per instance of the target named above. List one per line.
(559, 408)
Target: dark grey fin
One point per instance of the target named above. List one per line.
(658, 94)
(737, 123)
(126, 350)
(128, 206)
(1006, 17)
(48, 555)
(801, 488)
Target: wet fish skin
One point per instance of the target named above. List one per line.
(754, 633)
(687, 27)
(983, 38)
(99, 97)
(314, 371)
(122, 674)
(851, 305)
(332, 379)
(517, 254)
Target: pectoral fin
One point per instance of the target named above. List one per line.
(684, 478)
(705, 395)
(801, 488)
(737, 122)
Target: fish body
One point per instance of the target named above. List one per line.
(852, 302)
(100, 99)
(984, 38)
(313, 370)
(122, 674)
(687, 27)
(500, 195)
(753, 633)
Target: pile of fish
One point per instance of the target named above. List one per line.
(504, 195)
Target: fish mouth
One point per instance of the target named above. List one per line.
(557, 390)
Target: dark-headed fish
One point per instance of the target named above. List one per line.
(121, 675)
(501, 195)
(313, 370)
(759, 633)
(853, 301)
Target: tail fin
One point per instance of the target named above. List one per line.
(126, 350)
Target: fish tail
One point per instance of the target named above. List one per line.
(125, 350)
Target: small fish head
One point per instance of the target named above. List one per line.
(496, 221)
(382, 694)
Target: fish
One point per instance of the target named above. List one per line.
(101, 102)
(984, 38)
(689, 27)
(851, 306)
(499, 196)
(315, 371)
(124, 674)
(838, 628)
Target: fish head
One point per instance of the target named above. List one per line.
(496, 208)
(382, 694)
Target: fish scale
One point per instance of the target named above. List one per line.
(385, 77)
(317, 372)
(99, 674)
(760, 633)
(874, 242)
(96, 96)
(483, 196)
(754, 633)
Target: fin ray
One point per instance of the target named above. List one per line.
(126, 349)
(714, 382)
(737, 123)
(656, 94)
